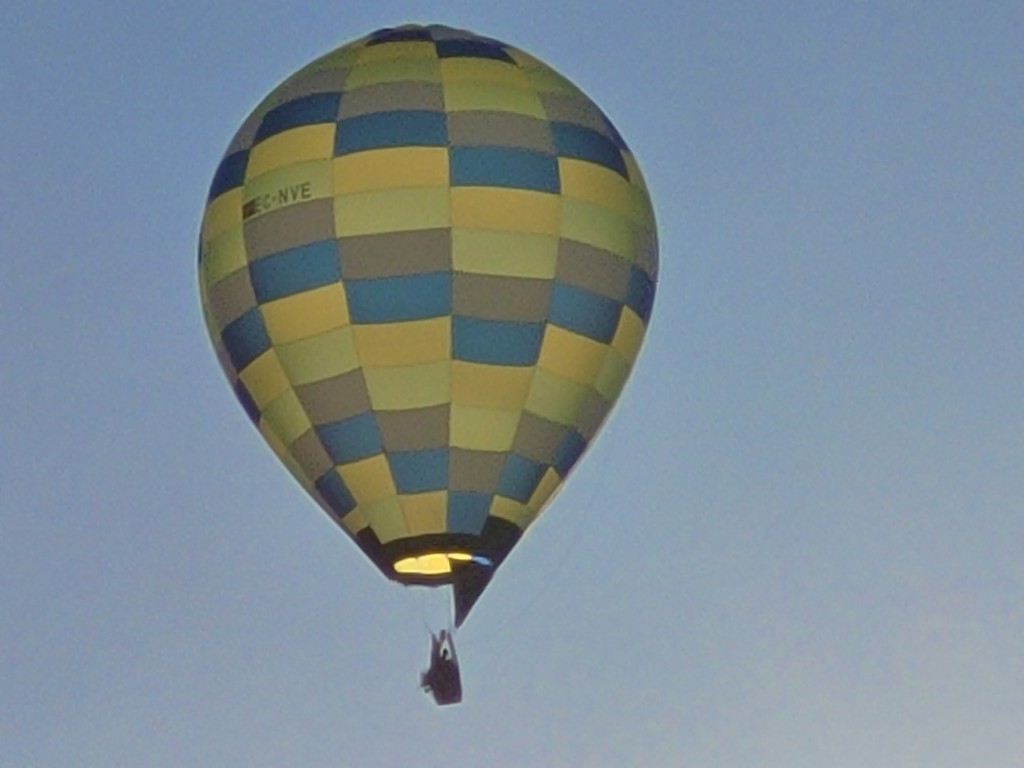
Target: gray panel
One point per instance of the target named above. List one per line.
(647, 252)
(594, 269)
(566, 108)
(385, 97)
(335, 399)
(312, 81)
(592, 415)
(475, 470)
(289, 227)
(504, 129)
(245, 135)
(441, 32)
(413, 430)
(395, 253)
(231, 297)
(537, 438)
(496, 297)
(309, 452)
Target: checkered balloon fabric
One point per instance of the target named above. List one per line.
(427, 263)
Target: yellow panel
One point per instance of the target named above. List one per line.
(297, 145)
(555, 398)
(400, 388)
(286, 416)
(613, 376)
(571, 356)
(628, 335)
(462, 96)
(594, 183)
(598, 226)
(406, 49)
(354, 521)
(264, 378)
(490, 386)
(368, 480)
(425, 512)
(413, 342)
(390, 168)
(305, 314)
(483, 429)
(470, 68)
(222, 214)
(545, 490)
(280, 449)
(339, 58)
(318, 357)
(514, 511)
(392, 71)
(506, 210)
(541, 76)
(392, 210)
(514, 254)
(386, 520)
(287, 186)
(225, 255)
(642, 211)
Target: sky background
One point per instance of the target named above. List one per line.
(798, 542)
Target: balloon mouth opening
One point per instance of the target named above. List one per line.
(438, 564)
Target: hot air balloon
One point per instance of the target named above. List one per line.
(427, 262)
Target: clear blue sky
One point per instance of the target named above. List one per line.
(797, 543)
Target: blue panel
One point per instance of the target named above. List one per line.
(503, 167)
(467, 511)
(230, 173)
(295, 270)
(582, 143)
(613, 132)
(316, 108)
(498, 342)
(248, 404)
(419, 471)
(476, 48)
(520, 477)
(350, 439)
(586, 313)
(399, 35)
(406, 128)
(640, 294)
(393, 299)
(334, 492)
(245, 338)
(569, 452)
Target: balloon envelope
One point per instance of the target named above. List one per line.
(427, 263)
